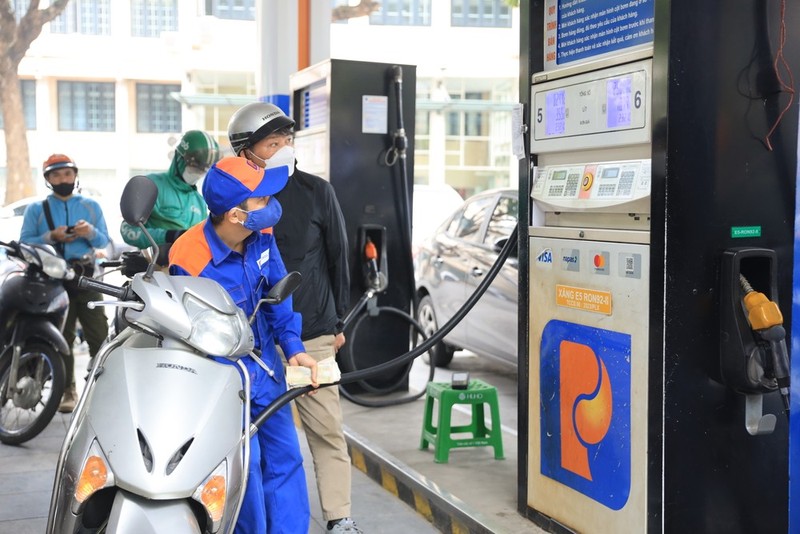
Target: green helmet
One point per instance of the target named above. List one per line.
(198, 149)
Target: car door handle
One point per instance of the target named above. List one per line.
(477, 271)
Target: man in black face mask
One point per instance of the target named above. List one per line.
(75, 226)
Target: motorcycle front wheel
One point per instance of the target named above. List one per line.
(27, 407)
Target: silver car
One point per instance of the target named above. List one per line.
(453, 262)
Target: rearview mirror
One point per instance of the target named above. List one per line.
(284, 288)
(138, 199)
(278, 293)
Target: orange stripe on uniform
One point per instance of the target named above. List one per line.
(191, 251)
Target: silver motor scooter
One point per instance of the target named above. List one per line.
(159, 440)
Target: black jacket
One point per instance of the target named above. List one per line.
(312, 239)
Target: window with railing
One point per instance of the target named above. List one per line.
(398, 12)
(156, 110)
(88, 17)
(28, 90)
(151, 17)
(232, 9)
(480, 13)
(463, 131)
(86, 106)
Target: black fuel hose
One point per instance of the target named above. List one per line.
(436, 337)
(371, 403)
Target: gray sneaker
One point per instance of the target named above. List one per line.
(346, 525)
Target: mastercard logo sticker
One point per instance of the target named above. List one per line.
(600, 261)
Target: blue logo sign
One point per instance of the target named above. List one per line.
(545, 256)
(585, 393)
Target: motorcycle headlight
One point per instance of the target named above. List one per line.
(215, 332)
(54, 267)
(45, 256)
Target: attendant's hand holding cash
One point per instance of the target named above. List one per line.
(327, 373)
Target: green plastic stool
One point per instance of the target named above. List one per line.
(477, 394)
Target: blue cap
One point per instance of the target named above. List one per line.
(232, 180)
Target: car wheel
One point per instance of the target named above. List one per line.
(426, 316)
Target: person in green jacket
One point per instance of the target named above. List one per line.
(179, 205)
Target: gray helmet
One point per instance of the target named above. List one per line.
(198, 149)
(253, 122)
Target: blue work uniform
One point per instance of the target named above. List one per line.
(276, 497)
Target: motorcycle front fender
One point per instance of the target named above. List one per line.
(131, 514)
(45, 330)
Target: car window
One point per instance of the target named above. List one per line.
(469, 223)
(452, 224)
(504, 219)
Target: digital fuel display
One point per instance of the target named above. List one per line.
(618, 101)
(555, 112)
(610, 172)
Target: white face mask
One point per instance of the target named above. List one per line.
(192, 175)
(282, 158)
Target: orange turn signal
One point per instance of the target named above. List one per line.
(93, 477)
(213, 495)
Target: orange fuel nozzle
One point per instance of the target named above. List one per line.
(370, 250)
(762, 313)
(374, 278)
(765, 318)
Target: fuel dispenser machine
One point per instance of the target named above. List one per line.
(589, 279)
(354, 126)
(654, 374)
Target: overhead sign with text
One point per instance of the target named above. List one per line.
(581, 30)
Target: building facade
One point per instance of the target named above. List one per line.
(114, 84)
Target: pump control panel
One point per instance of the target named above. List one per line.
(611, 186)
(578, 112)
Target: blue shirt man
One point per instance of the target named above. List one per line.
(235, 247)
(75, 226)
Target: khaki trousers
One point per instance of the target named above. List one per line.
(321, 417)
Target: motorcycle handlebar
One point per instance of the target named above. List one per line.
(107, 289)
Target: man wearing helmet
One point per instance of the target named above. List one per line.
(75, 226)
(179, 205)
(311, 238)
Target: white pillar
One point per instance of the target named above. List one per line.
(320, 45)
(276, 27)
(437, 131)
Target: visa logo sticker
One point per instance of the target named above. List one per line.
(545, 256)
(585, 394)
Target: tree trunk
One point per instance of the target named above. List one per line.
(15, 39)
(18, 172)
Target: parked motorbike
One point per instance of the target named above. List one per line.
(159, 440)
(33, 309)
